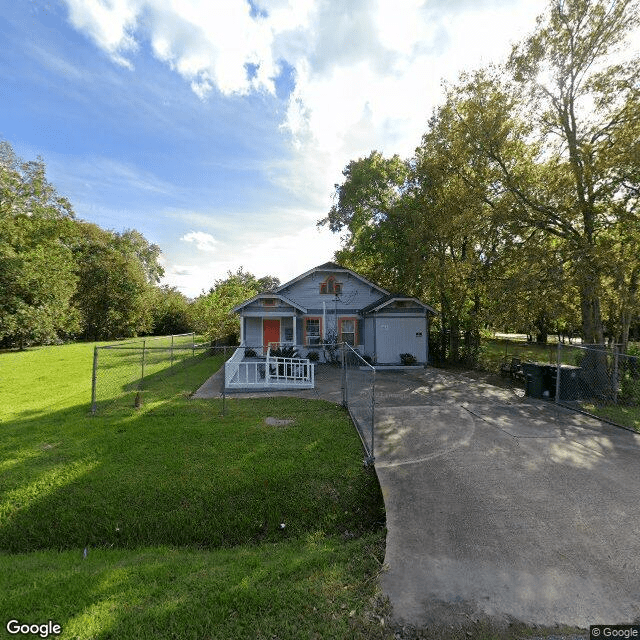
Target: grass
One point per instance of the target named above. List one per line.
(180, 510)
(495, 351)
(498, 350)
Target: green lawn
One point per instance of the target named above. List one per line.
(495, 351)
(195, 525)
(626, 412)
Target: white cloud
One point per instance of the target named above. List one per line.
(285, 252)
(367, 75)
(110, 25)
(203, 241)
(211, 43)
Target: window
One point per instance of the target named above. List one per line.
(348, 331)
(288, 334)
(269, 302)
(330, 286)
(312, 331)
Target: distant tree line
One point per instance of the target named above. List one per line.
(519, 209)
(63, 279)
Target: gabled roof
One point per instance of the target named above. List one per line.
(269, 294)
(395, 297)
(332, 266)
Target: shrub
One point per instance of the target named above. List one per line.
(408, 358)
(314, 356)
(285, 352)
(250, 353)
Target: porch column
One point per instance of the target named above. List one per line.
(241, 328)
(295, 330)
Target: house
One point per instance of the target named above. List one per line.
(330, 304)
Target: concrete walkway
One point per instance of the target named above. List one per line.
(500, 506)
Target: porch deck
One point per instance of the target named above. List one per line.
(266, 373)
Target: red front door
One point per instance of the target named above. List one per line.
(270, 332)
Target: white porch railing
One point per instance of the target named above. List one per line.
(272, 372)
(297, 371)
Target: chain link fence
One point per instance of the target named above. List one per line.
(359, 396)
(601, 381)
(134, 372)
(342, 377)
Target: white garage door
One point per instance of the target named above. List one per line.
(400, 335)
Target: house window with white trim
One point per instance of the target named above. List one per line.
(312, 331)
(348, 327)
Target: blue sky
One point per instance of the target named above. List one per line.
(219, 128)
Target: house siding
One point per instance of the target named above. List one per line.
(253, 332)
(355, 293)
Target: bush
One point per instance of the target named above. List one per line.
(630, 390)
(250, 353)
(314, 356)
(408, 358)
(285, 352)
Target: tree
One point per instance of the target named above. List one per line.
(171, 311)
(212, 315)
(366, 209)
(114, 296)
(583, 106)
(37, 278)
(133, 243)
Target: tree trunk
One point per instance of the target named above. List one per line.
(592, 329)
(628, 305)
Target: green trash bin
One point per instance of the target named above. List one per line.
(533, 379)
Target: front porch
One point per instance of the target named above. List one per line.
(248, 370)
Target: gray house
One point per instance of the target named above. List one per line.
(327, 304)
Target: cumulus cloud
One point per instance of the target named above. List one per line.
(213, 44)
(203, 241)
(361, 75)
(366, 72)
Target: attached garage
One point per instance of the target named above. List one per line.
(397, 325)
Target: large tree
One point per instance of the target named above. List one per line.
(584, 106)
(115, 292)
(37, 275)
(61, 277)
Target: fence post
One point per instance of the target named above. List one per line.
(94, 379)
(193, 344)
(373, 416)
(344, 376)
(224, 384)
(172, 350)
(615, 373)
(144, 345)
(558, 371)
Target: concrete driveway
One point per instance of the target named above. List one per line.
(503, 506)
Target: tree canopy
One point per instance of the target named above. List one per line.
(212, 315)
(519, 208)
(61, 277)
